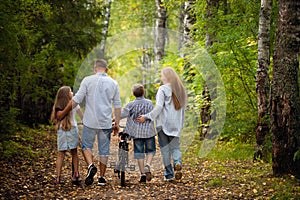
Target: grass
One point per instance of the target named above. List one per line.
(27, 144)
(230, 165)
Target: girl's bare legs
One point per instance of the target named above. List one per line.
(75, 163)
(59, 162)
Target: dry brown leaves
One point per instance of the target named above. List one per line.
(34, 179)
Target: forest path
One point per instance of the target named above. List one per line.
(202, 179)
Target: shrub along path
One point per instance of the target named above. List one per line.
(33, 178)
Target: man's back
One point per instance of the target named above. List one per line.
(100, 92)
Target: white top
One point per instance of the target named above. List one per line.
(73, 115)
(100, 93)
(168, 119)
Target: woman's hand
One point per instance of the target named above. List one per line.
(141, 118)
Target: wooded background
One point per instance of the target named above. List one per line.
(43, 44)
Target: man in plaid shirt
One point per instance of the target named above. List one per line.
(143, 134)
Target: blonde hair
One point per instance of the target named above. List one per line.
(179, 95)
(61, 101)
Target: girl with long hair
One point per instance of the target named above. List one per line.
(67, 132)
(169, 113)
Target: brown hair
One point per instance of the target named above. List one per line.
(100, 63)
(179, 95)
(61, 101)
(138, 90)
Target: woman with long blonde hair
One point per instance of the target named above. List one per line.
(169, 113)
(67, 132)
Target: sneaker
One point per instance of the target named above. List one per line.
(148, 173)
(90, 175)
(143, 179)
(101, 181)
(178, 173)
(76, 180)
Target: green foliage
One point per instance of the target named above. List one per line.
(230, 166)
(234, 52)
(42, 43)
(23, 144)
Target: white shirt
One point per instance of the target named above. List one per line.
(168, 119)
(73, 115)
(100, 93)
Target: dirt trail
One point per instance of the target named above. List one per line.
(22, 179)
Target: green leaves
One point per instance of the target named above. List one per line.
(42, 43)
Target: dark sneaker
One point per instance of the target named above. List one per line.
(148, 173)
(76, 180)
(90, 175)
(101, 181)
(143, 179)
(178, 173)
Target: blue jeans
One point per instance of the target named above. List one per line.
(103, 136)
(169, 146)
(144, 146)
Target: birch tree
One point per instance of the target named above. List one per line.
(285, 100)
(105, 27)
(189, 20)
(146, 58)
(160, 32)
(262, 78)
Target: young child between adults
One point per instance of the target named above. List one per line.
(143, 134)
(67, 133)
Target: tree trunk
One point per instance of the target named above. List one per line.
(262, 79)
(160, 33)
(180, 25)
(211, 9)
(207, 114)
(189, 20)
(105, 28)
(147, 54)
(285, 102)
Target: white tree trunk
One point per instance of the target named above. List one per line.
(188, 21)
(105, 28)
(160, 33)
(262, 77)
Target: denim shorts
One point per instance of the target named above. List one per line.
(142, 146)
(103, 136)
(67, 140)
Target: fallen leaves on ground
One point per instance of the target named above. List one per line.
(202, 179)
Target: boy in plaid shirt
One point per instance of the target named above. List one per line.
(143, 134)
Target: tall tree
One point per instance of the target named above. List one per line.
(146, 51)
(262, 78)
(211, 11)
(189, 19)
(209, 94)
(160, 32)
(285, 100)
(105, 27)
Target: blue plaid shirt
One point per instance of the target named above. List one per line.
(132, 110)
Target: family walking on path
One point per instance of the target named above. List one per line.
(103, 104)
